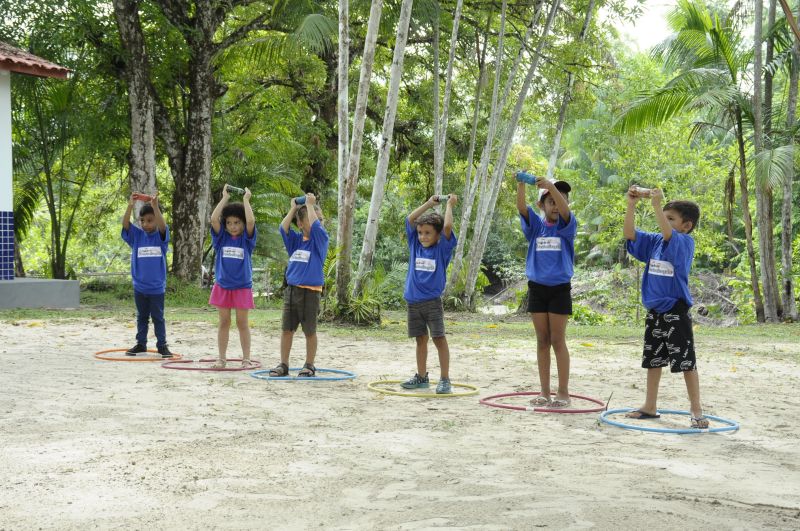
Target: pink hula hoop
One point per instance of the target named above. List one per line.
(175, 364)
(488, 402)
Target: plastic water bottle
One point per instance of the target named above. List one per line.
(642, 192)
(300, 200)
(527, 178)
(443, 198)
(230, 188)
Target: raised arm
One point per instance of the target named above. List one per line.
(448, 216)
(217, 213)
(522, 205)
(558, 198)
(126, 217)
(160, 223)
(629, 228)
(663, 223)
(424, 207)
(249, 218)
(311, 212)
(287, 221)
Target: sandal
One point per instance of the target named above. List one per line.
(540, 400)
(308, 371)
(247, 363)
(220, 364)
(560, 402)
(699, 423)
(280, 369)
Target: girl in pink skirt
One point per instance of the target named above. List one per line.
(233, 235)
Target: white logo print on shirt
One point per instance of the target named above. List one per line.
(233, 252)
(300, 256)
(149, 252)
(661, 268)
(425, 264)
(546, 243)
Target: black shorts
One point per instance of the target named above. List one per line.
(424, 316)
(550, 299)
(669, 340)
(300, 306)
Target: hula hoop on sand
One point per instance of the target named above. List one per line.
(488, 401)
(729, 425)
(347, 375)
(373, 386)
(175, 364)
(101, 355)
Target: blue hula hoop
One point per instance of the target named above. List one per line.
(347, 376)
(730, 425)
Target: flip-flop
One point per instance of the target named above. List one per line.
(540, 400)
(641, 415)
(560, 402)
(699, 423)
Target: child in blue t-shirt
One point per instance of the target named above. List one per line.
(307, 251)
(668, 336)
(149, 244)
(233, 235)
(431, 241)
(549, 268)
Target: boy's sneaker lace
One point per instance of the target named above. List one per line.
(416, 382)
(443, 387)
(136, 349)
(164, 351)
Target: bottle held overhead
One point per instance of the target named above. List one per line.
(527, 178)
(443, 198)
(236, 189)
(300, 200)
(641, 191)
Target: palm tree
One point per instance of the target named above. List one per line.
(711, 57)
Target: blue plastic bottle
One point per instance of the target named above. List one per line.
(525, 177)
(300, 200)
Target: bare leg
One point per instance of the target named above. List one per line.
(244, 333)
(693, 388)
(444, 355)
(422, 355)
(651, 398)
(558, 332)
(541, 324)
(311, 348)
(286, 345)
(223, 331)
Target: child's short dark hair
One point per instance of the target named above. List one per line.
(302, 213)
(146, 209)
(688, 211)
(235, 210)
(434, 219)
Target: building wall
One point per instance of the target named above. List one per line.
(6, 187)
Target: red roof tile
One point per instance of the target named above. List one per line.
(22, 62)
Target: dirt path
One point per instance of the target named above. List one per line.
(89, 444)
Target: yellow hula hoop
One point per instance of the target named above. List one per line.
(372, 386)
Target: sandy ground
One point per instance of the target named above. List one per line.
(87, 444)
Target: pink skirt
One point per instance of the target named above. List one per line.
(241, 299)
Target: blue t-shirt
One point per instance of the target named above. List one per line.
(306, 257)
(666, 273)
(148, 259)
(427, 266)
(234, 266)
(551, 248)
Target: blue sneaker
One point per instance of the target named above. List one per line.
(443, 388)
(416, 382)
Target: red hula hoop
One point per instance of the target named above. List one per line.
(487, 402)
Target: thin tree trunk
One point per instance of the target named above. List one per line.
(348, 200)
(789, 304)
(562, 111)
(470, 183)
(748, 221)
(479, 243)
(763, 193)
(371, 231)
(342, 108)
(437, 154)
(142, 156)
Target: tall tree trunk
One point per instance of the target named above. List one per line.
(562, 111)
(479, 243)
(789, 304)
(142, 156)
(348, 198)
(748, 220)
(763, 192)
(342, 101)
(470, 183)
(371, 231)
(437, 154)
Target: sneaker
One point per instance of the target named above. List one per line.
(416, 382)
(136, 349)
(443, 387)
(164, 351)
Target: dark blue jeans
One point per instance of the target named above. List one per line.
(148, 306)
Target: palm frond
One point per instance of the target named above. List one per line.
(774, 166)
(653, 110)
(316, 33)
